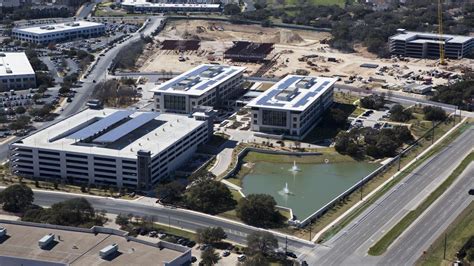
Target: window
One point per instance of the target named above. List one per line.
(175, 102)
(273, 118)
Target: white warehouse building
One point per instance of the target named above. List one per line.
(16, 72)
(122, 148)
(59, 32)
(204, 85)
(293, 106)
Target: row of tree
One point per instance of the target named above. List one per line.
(77, 212)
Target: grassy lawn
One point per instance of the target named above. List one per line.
(174, 231)
(458, 233)
(381, 246)
(342, 97)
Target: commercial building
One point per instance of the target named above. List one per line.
(16, 72)
(82, 246)
(426, 45)
(59, 32)
(109, 147)
(143, 6)
(243, 51)
(205, 85)
(293, 106)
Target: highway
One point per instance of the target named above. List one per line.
(350, 246)
(237, 232)
(417, 238)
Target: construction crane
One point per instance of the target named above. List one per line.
(440, 32)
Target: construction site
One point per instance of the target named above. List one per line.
(287, 52)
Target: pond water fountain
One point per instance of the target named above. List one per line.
(295, 168)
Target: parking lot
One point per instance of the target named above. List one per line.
(372, 118)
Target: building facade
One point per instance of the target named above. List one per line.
(293, 106)
(143, 6)
(426, 45)
(109, 147)
(60, 32)
(16, 72)
(205, 85)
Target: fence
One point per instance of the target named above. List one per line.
(366, 179)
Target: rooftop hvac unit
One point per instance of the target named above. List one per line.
(46, 240)
(3, 231)
(108, 250)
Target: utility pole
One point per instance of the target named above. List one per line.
(433, 132)
(310, 225)
(445, 244)
(286, 244)
(399, 161)
(169, 222)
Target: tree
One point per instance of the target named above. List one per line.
(20, 123)
(210, 257)
(170, 192)
(209, 196)
(76, 212)
(434, 113)
(122, 220)
(261, 242)
(211, 235)
(20, 110)
(373, 102)
(16, 198)
(259, 210)
(400, 114)
(257, 260)
(231, 9)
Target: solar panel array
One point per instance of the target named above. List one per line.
(131, 125)
(100, 125)
(266, 99)
(305, 99)
(195, 72)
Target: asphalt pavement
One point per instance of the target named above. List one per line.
(350, 246)
(427, 228)
(186, 219)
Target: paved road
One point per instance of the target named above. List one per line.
(349, 247)
(186, 219)
(87, 86)
(410, 245)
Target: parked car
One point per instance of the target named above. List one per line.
(241, 258)
(291, 255)
(225, 253)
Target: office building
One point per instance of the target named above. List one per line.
(59, 32)
(16, 72)
(36, 244)
(293, 106)
(109, 147)
(143, 6)
(205, 85)
(426, 45)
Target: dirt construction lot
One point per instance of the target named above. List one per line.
(295, 51)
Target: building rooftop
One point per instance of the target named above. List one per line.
(421, 37)
(293, 93)
(58, 27)
(12, 64)
(113, 132)
(75, 248)
(144, 3)
(199, 80)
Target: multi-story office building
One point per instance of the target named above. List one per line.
(426, 45)
(58, 32)
(140, 6)
(16, 72)
(205, 85)
(293, 106)
(109, 147)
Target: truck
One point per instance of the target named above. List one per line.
(108, 250)
(46, 240)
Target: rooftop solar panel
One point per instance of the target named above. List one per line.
(179, 79)
(305, 99)
(100, 125)
(126, 128)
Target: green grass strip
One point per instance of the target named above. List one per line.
(381, 246)
(339, 226)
